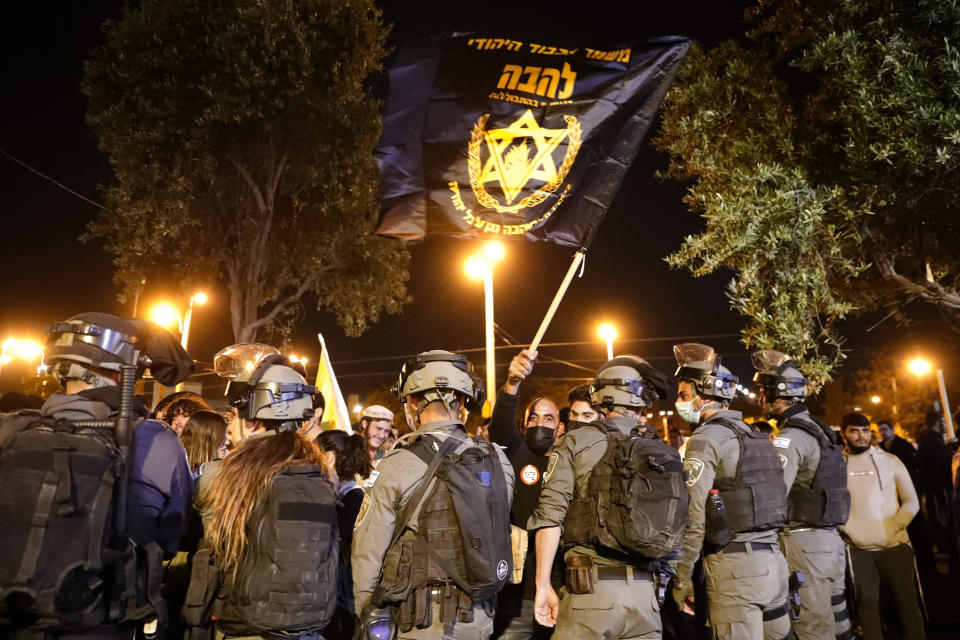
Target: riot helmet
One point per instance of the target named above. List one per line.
(264, 386)
(441, 375)
(779, 375)
(627, 381)
(87, 345)
(699, 365)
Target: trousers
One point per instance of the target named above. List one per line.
(820, 555)
(742, 587)
(892, 568)
(617, 609)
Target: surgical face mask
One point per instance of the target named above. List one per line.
(688, 411)
(540, 439)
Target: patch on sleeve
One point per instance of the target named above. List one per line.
(371, 479)
(783, 460)
(364, 506)
(781, 443)
(550, 467)
(693, 468)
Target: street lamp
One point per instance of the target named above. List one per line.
(875, 399)
(20, 349)
(166, 315)
(480, 266)
(607, 333)
(199, 298)
(919, 367)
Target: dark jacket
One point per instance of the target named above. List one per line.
(528, 466)
(160, 482)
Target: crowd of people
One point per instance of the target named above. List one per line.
(571, 518)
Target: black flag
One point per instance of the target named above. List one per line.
(492, 137)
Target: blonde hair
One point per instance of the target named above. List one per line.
(243, 481)
(202, 436)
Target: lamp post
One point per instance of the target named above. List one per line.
(480, 266)
(199, 298)
(607, 333)
(920, 367)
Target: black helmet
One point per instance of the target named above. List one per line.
(779, 375)
(700, 365)
(89, 341)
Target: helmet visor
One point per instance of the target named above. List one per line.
(690, 352)
(768, 359)
(240, 360)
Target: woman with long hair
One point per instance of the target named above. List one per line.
(242, 483)
(353, 465)
(204, 437)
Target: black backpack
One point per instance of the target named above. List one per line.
(64, 566)
(636, 501)
(287, 579)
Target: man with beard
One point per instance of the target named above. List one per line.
(882, 504)
(375, 424)
(528, 450)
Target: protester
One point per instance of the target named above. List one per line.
(58, 528)
(727, 461)
(610, 589)
(675, 439)
(528, 449)
(205, 438)
(167, 400)
(882, 504)
(936, 484)
(353, 466)
(415, 538)
(179, 411)
(375, 424)
(815, 476)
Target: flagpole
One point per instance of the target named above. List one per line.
(567, 279)
(491, 354)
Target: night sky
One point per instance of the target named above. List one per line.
(48, 275)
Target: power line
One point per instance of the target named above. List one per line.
(48, 178)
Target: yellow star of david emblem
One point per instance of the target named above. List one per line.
(510, 164)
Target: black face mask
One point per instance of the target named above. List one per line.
(540, 439)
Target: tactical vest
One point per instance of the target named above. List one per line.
(461, 543)
(826, 502)
(64, 566)
(286, 581)
(636, 500)
(755, 498)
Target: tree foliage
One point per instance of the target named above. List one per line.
(240, 136)
(822, 152)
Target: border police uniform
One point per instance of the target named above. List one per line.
(747, 579)
(624, 601)
(810, 542)
(397, 478)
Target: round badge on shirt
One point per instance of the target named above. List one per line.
(529, 474)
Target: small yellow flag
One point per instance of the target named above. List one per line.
(336, 414)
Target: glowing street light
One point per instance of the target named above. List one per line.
(875, 399)
(477, 267)
(920, 367)
(357, 409)
(607, 333)
(20, 349)
(199, 298)
(165, 314)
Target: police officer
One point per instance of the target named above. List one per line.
(435, 387)
(747, 574)
(815, 474)
(86, 354)
(623, 600)
(528, 451)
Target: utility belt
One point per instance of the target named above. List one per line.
(582, 574)
(438, 601)
(744, 547)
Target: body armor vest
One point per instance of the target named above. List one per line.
(462, 542)
(636, 501)
(755, 497)
(826, 502)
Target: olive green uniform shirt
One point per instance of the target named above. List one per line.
(388, 490)
(713, 451)
(568, 472)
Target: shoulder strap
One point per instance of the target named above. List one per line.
(417, 498)
(811, 427)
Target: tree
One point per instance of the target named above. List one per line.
(240, 136)
(822, 153)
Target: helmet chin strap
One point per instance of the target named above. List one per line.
(76, 371)
(433, 396)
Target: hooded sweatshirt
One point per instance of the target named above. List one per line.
(882, 500)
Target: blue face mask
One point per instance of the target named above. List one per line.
(687, 411)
